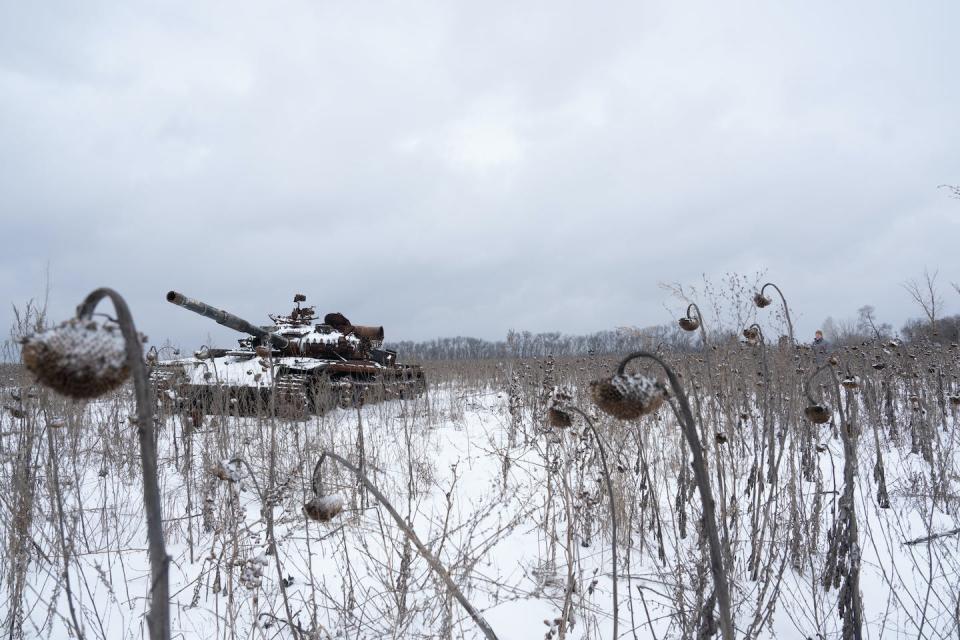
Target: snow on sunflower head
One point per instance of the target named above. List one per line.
(323, 508)
(628, 396)
(558, 408)
(80, 358)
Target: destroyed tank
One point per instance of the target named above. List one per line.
(293, 368)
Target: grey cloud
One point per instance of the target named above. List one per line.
(451, 169)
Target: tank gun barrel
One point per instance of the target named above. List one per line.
(226, 319)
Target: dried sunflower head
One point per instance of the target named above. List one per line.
(558, 418)
(761, 300)
(81, 358)
(323, 508)
(817, 413)
(558, 409)
(628, 396)
(689, 324)
(225, 471)
(851, 382)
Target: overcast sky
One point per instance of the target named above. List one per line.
(449, 168)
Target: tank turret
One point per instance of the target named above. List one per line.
(296, 334)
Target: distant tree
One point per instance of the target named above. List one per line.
(840, 332)
(525, 344)
(925, 293)
(918, 330)
(867, 323)
(848, 332)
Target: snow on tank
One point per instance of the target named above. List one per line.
(295, 366)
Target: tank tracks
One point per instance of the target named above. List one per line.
(294, 396)
(291, 395)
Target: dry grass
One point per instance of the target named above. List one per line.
(515, 510)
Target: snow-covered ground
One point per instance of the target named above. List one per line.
(515, 510)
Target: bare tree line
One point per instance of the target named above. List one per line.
(731, 307)
(525, 344)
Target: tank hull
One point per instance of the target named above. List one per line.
(241, 383)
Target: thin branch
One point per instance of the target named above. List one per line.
(613, 516)
(412, 536)
(934, 536)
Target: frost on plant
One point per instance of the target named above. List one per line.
(226, 470)
(558, 408)
(323, 508)
(761, 300)
(79, 358)
(628, 396)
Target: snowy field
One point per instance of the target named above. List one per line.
(516, 511)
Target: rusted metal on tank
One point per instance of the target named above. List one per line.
(342, 349)
(337, 320)
(374, 334)
(352, 367)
